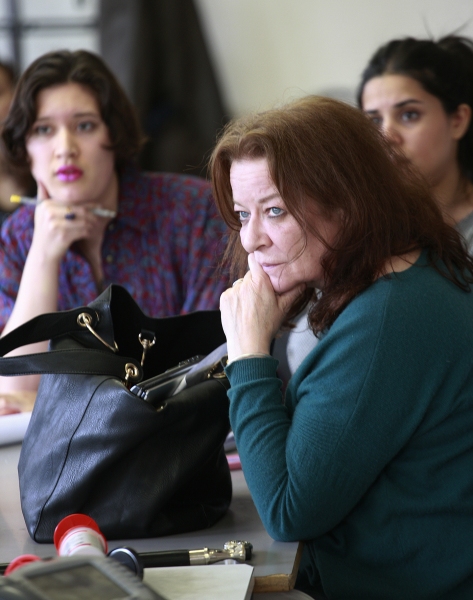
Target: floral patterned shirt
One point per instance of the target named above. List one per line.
(164, 247)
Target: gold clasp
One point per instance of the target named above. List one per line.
(85, 320)
(147, 344)
(131, 372)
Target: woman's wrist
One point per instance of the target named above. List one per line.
(249, 355)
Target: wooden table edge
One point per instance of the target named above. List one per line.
(280, 582)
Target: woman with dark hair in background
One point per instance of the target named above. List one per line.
(369, 459)
(8, 183)
(98, 220)
(420, 94)
(7, 88)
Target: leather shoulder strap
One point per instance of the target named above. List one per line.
(80, 360)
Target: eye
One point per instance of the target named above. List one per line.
(242, 215)
(86, 126)
(376, 120)
(275, 211)
(41, 130)
(409, 116)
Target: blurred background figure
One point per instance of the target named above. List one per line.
(9, 184)
(420, 95)
(7, 88)
(73, 129)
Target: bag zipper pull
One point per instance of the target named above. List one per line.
(147, 344)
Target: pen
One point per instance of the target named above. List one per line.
(100, 212)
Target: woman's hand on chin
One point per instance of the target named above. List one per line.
(57, 226)
(252, 312)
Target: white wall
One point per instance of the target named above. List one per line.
(269, 51)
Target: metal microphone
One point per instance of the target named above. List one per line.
(237, 550)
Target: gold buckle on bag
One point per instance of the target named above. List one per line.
(131, 372)
(85, 320)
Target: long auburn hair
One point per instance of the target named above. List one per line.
(326, 157)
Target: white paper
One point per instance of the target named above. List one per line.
(13, 427)
(209, 582)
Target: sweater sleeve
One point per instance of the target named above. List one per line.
(351, 407)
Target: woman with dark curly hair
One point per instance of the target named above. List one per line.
(98, 219)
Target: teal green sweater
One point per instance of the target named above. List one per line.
(370, 461)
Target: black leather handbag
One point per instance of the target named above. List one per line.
(94, 447)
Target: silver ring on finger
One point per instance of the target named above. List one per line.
(237, 281)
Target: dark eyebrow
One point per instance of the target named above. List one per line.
(87, 114)
(78, 115)
(398, 105)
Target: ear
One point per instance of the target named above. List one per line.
(461, 119)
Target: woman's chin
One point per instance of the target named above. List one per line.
(74, 192)
(278, 285)
(281, 286)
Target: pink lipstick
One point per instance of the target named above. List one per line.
(69, 173)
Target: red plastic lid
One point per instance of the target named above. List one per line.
(20, 561)
(75, 520)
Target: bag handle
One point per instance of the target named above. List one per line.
(73, 361)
